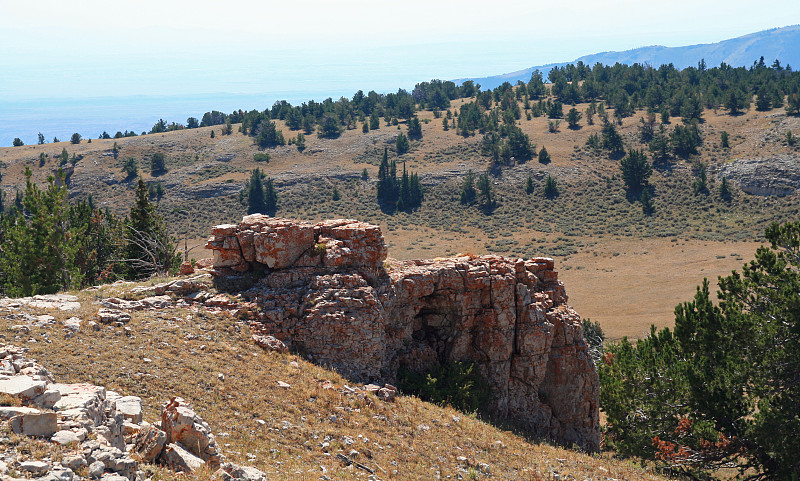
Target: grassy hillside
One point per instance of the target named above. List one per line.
(599, 237)
(289, 433)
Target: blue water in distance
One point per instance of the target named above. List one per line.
(58, 100)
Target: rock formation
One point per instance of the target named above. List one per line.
(327, 291)
(99, 431)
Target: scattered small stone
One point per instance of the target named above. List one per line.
(270, 343)
(284, 385)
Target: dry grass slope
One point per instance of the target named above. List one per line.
(289, 433)
(595, 233)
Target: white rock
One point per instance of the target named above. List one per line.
(109, 316)
(72, 324)
(96, 469)
(47, 399)
(74, 461)
(65, 437)
(177, 458)
(157, 302)
(35, 424)
(35, 467)
(8, 412)
(23, 387)
(60, 474)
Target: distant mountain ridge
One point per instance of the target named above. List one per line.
(778, 43)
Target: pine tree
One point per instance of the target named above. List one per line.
(550, 187)
(612, 140)
(39, 246)
(414, 128)
(485, 189)
(158, 165)
(636, 170)
(725, 190)
(468, 193)
(270, 197)
(721, 389)
(574, 118)
(402, 144)
(255, 193)
(544, 156)
(529, 185)
(148, 247)
(387, 181)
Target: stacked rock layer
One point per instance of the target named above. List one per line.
(328, 292)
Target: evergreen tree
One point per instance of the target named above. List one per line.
(763, 102)
(76, 138)
(414, 128)
(148, 248)
(270, 197)
(387, 181)
(485, 189)
(64, 157)
(550, 187)
(659, 146)
(268, 135)
(529, 185)
(39, 245)
(544, 156)
(468, 193)
(574, 118)
(612, 140)
(410, 196)
(41, 139)
(685, 139)
(724, 140)
(721, 389)
(700, 184)
(255, 193)
(725, 190)
(129, 168)
(402, 144)
(636, 170)
(374, 121)
(158, 165)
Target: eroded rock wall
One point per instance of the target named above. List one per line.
(329, 292)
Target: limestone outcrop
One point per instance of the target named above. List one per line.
(100, 432)
(327, 291)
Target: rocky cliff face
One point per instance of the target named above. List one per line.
(329, 292)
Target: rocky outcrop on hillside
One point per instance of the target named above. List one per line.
(777, 175)
(95, 433)
(328, 292)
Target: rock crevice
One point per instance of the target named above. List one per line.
(329, 292)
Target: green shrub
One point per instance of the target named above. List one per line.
(261, 157)
(458, 384)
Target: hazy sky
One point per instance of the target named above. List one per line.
(55, 48)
